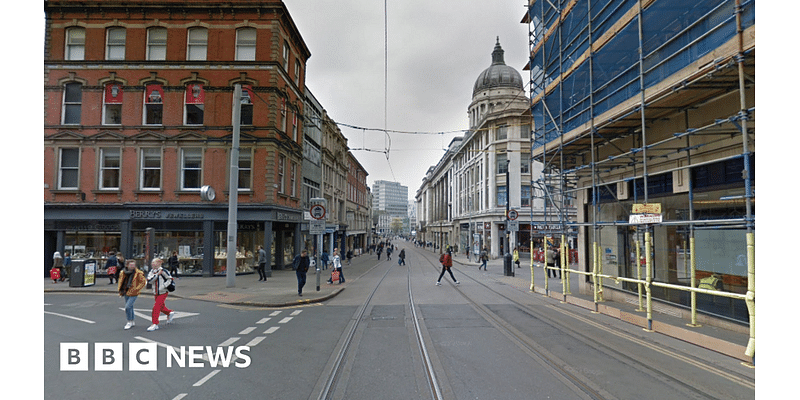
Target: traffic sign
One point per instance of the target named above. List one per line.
(316, 227)
(317, 211)
(512, 214)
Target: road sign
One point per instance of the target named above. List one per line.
(639, 219)
(317, 211)
(316, 227)
(514, 226)
(512, 214)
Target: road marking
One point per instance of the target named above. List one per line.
(285, 320)
(207, 377)
(274, 313)
(247, 331)
(271, 330)
(229, 342)
(180, 396)
(166, 346)
(70, 317)
(255, 341)
(263, 320)
(296, 312)
(148, 314)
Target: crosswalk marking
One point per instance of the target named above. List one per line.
(274, 313)
(285, 320)
(271, 330)
(255, 341)
(296, 312)
(207, 377)
(70, 317)
(229, 342)
(247, 330)
(263, 320)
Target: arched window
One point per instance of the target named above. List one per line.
(194, 104)
(197, 44)
(153, 104)
(75, 44)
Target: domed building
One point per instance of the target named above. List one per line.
(462, 199)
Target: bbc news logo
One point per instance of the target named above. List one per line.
(144, 356)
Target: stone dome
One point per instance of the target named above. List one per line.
(498, 74)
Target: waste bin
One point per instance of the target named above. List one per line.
(82, 273)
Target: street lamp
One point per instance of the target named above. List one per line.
(507, 269)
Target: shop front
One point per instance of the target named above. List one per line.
(195, 235)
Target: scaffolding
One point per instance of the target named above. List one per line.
(650, 102)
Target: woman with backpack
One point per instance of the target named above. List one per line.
(447, 263)
(159, 279)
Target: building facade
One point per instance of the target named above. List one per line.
(390, 203)
(335, 167)
(138, 124)
(358, 207)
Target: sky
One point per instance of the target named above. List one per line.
(407, 66)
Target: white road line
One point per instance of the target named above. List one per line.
(263, 320)
(70, 317)
(247, 330)
(296, 312)
(255, 341)
(166, 346)
(207, 377)
(271, 330)
(274, 313)
(285, 320)
(229, 342)
(180, 396)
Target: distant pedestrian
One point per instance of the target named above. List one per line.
(401, 259)
(380, 250)
(324, 260)
(262, 264)
(111, 267)
(552, 256)
(120, 265)
(159, 279)
(516, 256)
(58, 265)
(349, 256)
(389, 253)
(301, 271)
(67, 266)
(337, 266)
(447, 263)
(484, 256)
(173, 264)
(130, 285)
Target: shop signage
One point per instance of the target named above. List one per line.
(147, 214)
(281, 216)
(651, 208)
(638, 219)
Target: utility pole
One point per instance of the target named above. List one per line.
(233, 188)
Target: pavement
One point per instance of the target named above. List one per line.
(280, 290)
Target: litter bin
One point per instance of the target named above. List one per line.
(82, 273)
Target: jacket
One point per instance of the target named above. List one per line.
(137, 284)
(447, 261)
(159, 280)
(262, 256)
(516, 255)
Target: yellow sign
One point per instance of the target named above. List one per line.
(652, 208)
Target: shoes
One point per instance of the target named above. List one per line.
(128, 325)
(170, 317)
(300, 294)
(458, 283)
(152, 328)
(438, 283)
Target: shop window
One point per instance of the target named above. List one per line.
(115, 44)
(69, 163)
(197, 44)
(194, 100)
(112, 104)
(109, 168)
(246, 109)
(157, 44)
(191, 169)
(246, 44)
(91, 245)
(245, 170)
(72, 103)
(75, 44)
(153, 104)
(151, 169)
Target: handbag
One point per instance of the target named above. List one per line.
(335, 276)
(171, 286)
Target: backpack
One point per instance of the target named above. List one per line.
(296, 261)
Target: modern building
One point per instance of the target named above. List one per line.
(139, 100)
(650, 106)
(389, 203)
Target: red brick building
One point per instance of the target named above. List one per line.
(138, 120)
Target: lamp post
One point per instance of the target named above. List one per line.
(233, 189)
(507, 269)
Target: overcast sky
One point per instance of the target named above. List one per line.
(436, 50)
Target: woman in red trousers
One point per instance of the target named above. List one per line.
(160, 279)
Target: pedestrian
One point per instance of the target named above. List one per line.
(337, 266)
(484, 258)
(67, 266)
(160, 279)
(262, 264)
(324, 259)
(120, 265)
(401, 259)
(302, 269)
(447, 263)
(349, 256)
(130, 285)
(380, 250)
(551, 263)
(388, 253)
(111, 266)
(516, 256)
(58, 265)
(173, 264)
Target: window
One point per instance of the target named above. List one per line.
(502, 132)
(72, 103)
(297, 72)
(525, 196)
(112, 104)
(157, 44)
(501, 196)
(502, 163)
(191, 169)
(286, 56)
(246, 110)
(195, 97)
(109, 168)
(153, 104)
(68, 169)
(115, 44)
(525, 163)
(281, 180)
(246, 44)
(76, 44)
(151, 169)
(245, 170)
(197, 44)
(293, 176)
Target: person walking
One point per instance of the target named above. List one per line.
(484, 258)
(111, 266)
(160, 279)
(447, 262)
(349, 256)
(130, 284)
(262, 264)
(337, 266)
(301, 271)
(516, 256)
(173, 264)
(324, 260)
(380, 250)
(389, 253)
(67, 266)
(551, 263)
(401, 258)
(58, 265)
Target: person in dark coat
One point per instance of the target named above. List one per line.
(301, 271)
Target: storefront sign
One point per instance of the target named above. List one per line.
(638, 219)
(281, 216)
(651, 208)
(88, 274)
(147, 214)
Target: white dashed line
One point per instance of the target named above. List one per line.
(271, 330)
(180, 396)
(207, 377)
(229, 342)
(285, 320)
(263, 320)
(255, 341)
(247, 330)
(274, 313)
(70, 317)
(296, 312)
(166, 346)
